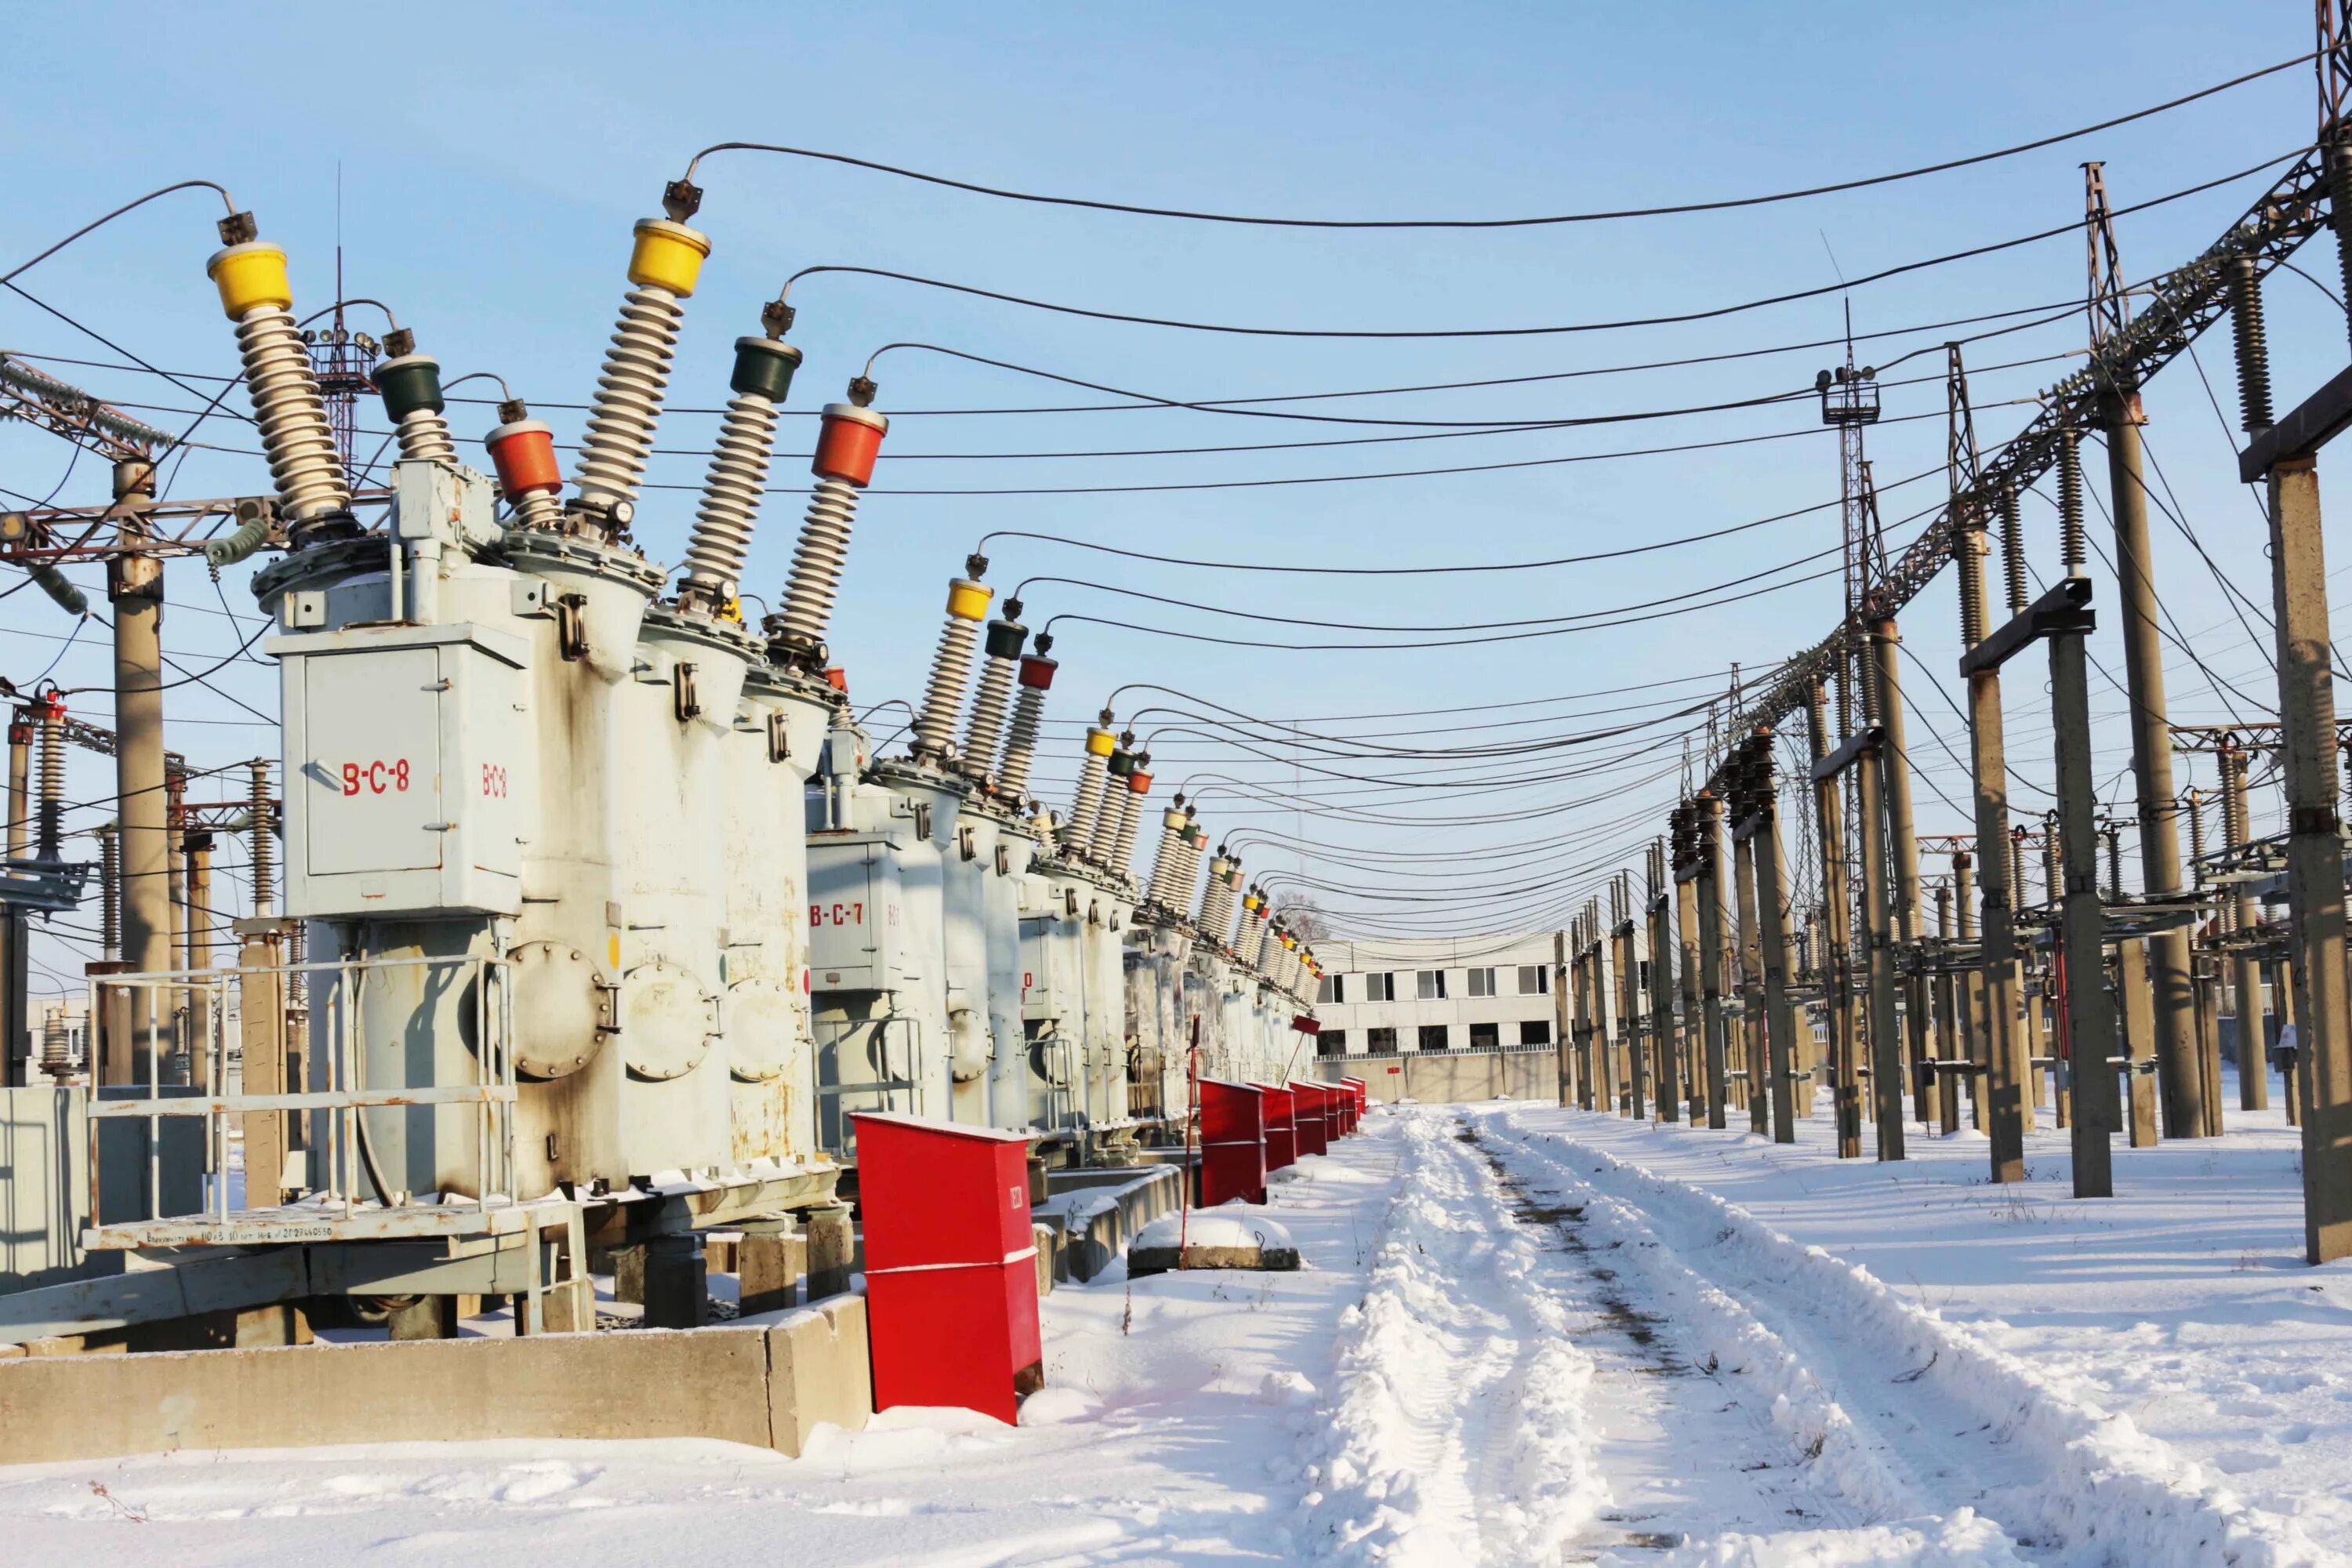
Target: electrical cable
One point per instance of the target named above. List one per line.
(24, 266)
(1421, 333)
(1720, 205)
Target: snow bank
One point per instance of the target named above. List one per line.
(1460, 1431)
(2106, 1490)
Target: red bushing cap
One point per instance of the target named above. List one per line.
(847, 444)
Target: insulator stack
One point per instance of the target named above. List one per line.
(2074, 550)
(1172, 824)
(110, 891)
(522, 450)
(264, 843)
(846, 446)
(293, 417)
(984, 729)
(56, 1051)
(1078, 830)
(1131, 814)
(1206, 920)
(1251, 932)
(1187, 867)
(665, 264)
(2338, 155)
(721, 540)
(950, 669)
(1105, 837)
(2252, 341)
(1037, 679)
(2012, 551)
(410, 386)
(1967, 554)
(50, 788)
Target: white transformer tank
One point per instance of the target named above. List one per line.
(876, 945)
(1053, 902)
(777, 736)
(1104, 969)
(1009, 1103)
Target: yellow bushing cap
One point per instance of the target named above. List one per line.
(1098, 741)
(249, 275)
(667, 256)
(968, 600)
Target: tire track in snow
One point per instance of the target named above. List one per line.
(1460, 1434)
(1945, 1417)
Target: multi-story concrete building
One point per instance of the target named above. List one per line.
(1437, 994)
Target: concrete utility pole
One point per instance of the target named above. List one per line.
(13, 1015)
(1878, 918)
(1970, 989)
(1560, 1047)
(1830, 823)
(1751, 983)
(1763, 828)
(1687, 861)
(1661, 1030)
(1894, 779)
(1711, 956)
(2120, 417)
(2286, 456)
(1629, 993)
(2004, 1073)
(134, 585)
(2090, 1013)
(1952, 1029)
(2253, 1063)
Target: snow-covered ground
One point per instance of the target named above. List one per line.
(1523, 1335)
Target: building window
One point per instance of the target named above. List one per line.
(1429, 984)
(1330, 989)
(1534, 1032)
(1381, 1042)
(1379, 987)
(1433, 1036)
(1485, 1036)
(1331, 1043)
(1534, 980)
(1481, 983)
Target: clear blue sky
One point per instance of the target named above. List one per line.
(491, 159)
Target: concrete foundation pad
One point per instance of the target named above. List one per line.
(768, 1385)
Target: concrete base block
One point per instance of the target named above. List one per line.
(1143, 1260)
(430, 1318)
(1049, 1245)
(769, 1270)
(831, 1247)
(766, 1386)
(1094, 1212)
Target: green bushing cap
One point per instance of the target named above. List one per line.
(764, 367)
(1006, 637)
(408, 384)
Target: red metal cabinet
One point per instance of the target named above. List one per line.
(1314, 1132)
(1358, 1096)
(1233, 1142)
(1281, 1132)
(950, 1276)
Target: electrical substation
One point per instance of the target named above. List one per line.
(588, 1015)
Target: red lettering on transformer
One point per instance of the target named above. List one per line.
(376, 778)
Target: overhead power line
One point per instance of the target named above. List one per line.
(1720, 205)
(1714, 312)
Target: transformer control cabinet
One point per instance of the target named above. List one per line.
(410, 789)
(857, 923)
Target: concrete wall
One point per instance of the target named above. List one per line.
(1464, 1076)
(767, 1386)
